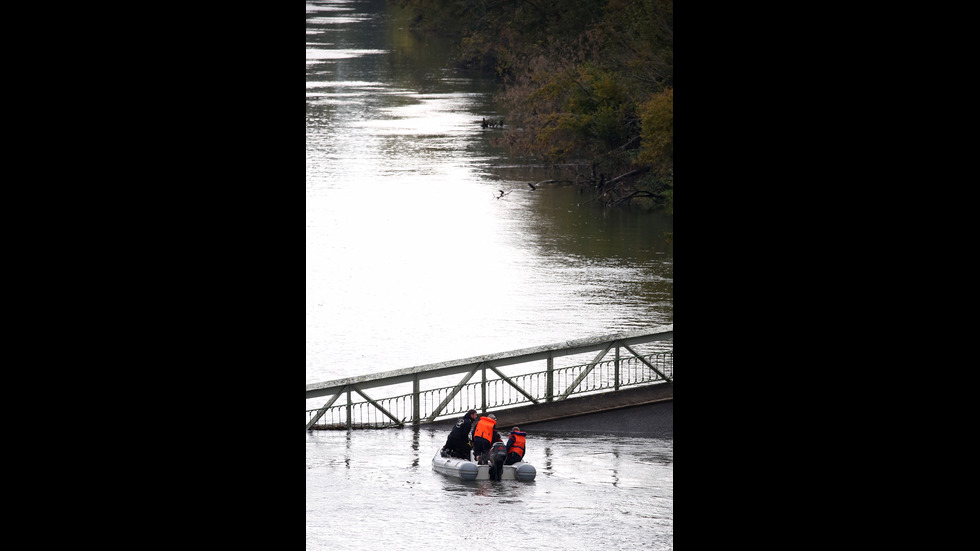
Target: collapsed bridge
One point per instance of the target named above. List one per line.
(536, 384)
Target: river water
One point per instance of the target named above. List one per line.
(375, 489)
(424, 244)
(411, 258)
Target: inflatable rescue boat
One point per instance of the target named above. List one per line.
(469, 470)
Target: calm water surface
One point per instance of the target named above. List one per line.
(412, 259)
(376, 489)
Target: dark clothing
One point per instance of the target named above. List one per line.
(497, 455)
(512, 458)
(458, 442)
(457, 449)
(482, 445)
(461, 430)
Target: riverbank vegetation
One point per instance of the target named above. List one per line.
(587, 84)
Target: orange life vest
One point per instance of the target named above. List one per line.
(484, 428)
(518, 445)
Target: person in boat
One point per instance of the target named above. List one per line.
(458, 443)
(515, 446)
(483, 436)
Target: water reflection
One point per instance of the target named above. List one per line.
(413, 256)
(415, 447)
(502, 491)
(347, 449)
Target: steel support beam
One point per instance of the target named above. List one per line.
(377, 405)
(578, 380)
(655, 370)
(452, 395)
(511, 383)
(321, 411)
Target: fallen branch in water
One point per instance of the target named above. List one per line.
(628, 174)
(534, 186)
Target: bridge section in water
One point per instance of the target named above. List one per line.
(541, 384)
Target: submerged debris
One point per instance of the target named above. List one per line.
(491, 123)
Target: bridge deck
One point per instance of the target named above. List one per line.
(622, 371)
(646, 410)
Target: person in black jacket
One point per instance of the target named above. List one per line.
(458, 442)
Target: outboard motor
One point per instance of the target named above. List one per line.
(498, 453)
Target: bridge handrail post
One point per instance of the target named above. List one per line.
(483, 389)
(349, 423)
(616, 369)
(416, 407)
(550, 393)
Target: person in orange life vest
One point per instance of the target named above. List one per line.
(483, 436)
(458, 444)
(515, 446)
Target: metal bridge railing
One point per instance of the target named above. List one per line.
(494, 393)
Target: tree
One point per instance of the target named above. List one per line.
(588, 84)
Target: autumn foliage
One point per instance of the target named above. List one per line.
(588, 84)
